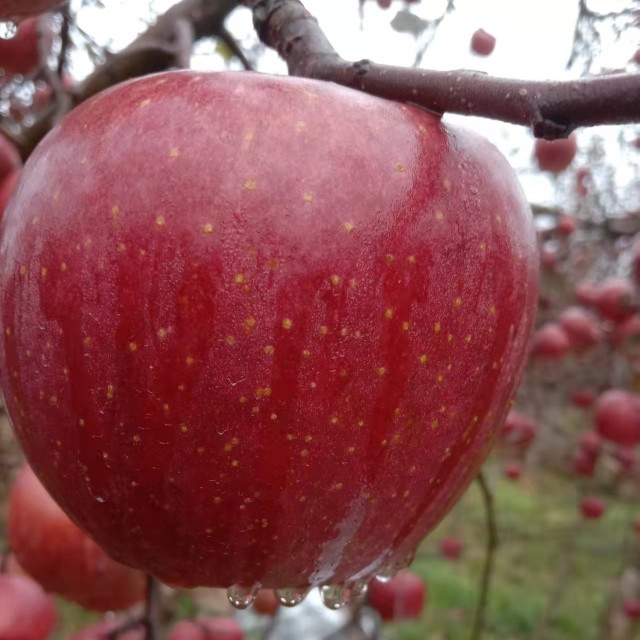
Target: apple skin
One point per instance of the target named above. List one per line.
(592, 507)
(555, 155)
(617, 417)
(512, 470)
(265, 354)
(482, 43)
(10, 9)
(207, 628)
(53, 551)
(27, 612)
(6, 189)
(9, 159)
(402, 598)
(21, 54)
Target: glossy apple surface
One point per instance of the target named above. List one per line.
(20, 8)
(402, 598)
(271, 311)
(53, 551)
(26, 611)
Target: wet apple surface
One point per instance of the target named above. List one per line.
(261, 329)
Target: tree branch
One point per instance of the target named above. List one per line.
(550, 109)
(492, 545)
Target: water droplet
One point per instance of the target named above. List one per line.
(335, 596)
(359, 588)
(387, 573)
(291, 597)
(8, 30)
(241, 596)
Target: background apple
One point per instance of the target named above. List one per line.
(261, 364)
(21, 54)
(26, 611)
(19, 8)
(53, 551)
(482, 43)
(617, 416)
(592, 507)
(401, 598)
(555, 155)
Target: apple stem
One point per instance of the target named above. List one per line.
(152, 609)
(490, 553)
(551, 109)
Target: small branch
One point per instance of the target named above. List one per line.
(65, 38)
(150, 619)
(552, 109)
(235, 48)
(184, 38)
(492, 545)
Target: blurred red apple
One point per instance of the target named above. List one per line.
(519, 430)
(566, 225)
(451, 548)
(21, 54)
(592, 507)
(625, 457)
(583, 398)
(550, 342)
(26, 611)
(617, 416)
(512, 470)
(590, 442)
(584, 463)
(53, 551)
(581, 327)
(230, 376)
(631, 608)
(626, 337)
(266, 602)
(10, 9)
(586, 294)
(402, 598)
(207, 628)
(384, 4)
(482, 43)
(615, 299)
(555, 155)
(548, 259)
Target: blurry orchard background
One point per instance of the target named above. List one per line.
(565, 475)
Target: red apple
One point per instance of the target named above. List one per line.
(615, 299)
(582, 398)
(266, 602)
(617, 415)
(10, 9)
(451, 548)
(402, 598)
(9, 159)
(591, 443)
(26, 611)
(53, 551)
(586, 294)
(636, 526)
(626, 337)
(555, 155)
(482, 43)
(101, 630)
(548, 259)
(566, 225)
(512, 470)
(584, 464)
(384, 4)
(207, 628)
(550, 342)
(592, 507)
(6, 189)
(519, 430)
(631, 608)
(625, 457)
(21, 54)
(265, 354)
(581, 327)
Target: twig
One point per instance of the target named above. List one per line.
(235, 48)
(492, 544)
(552, 109)
(65, 38)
